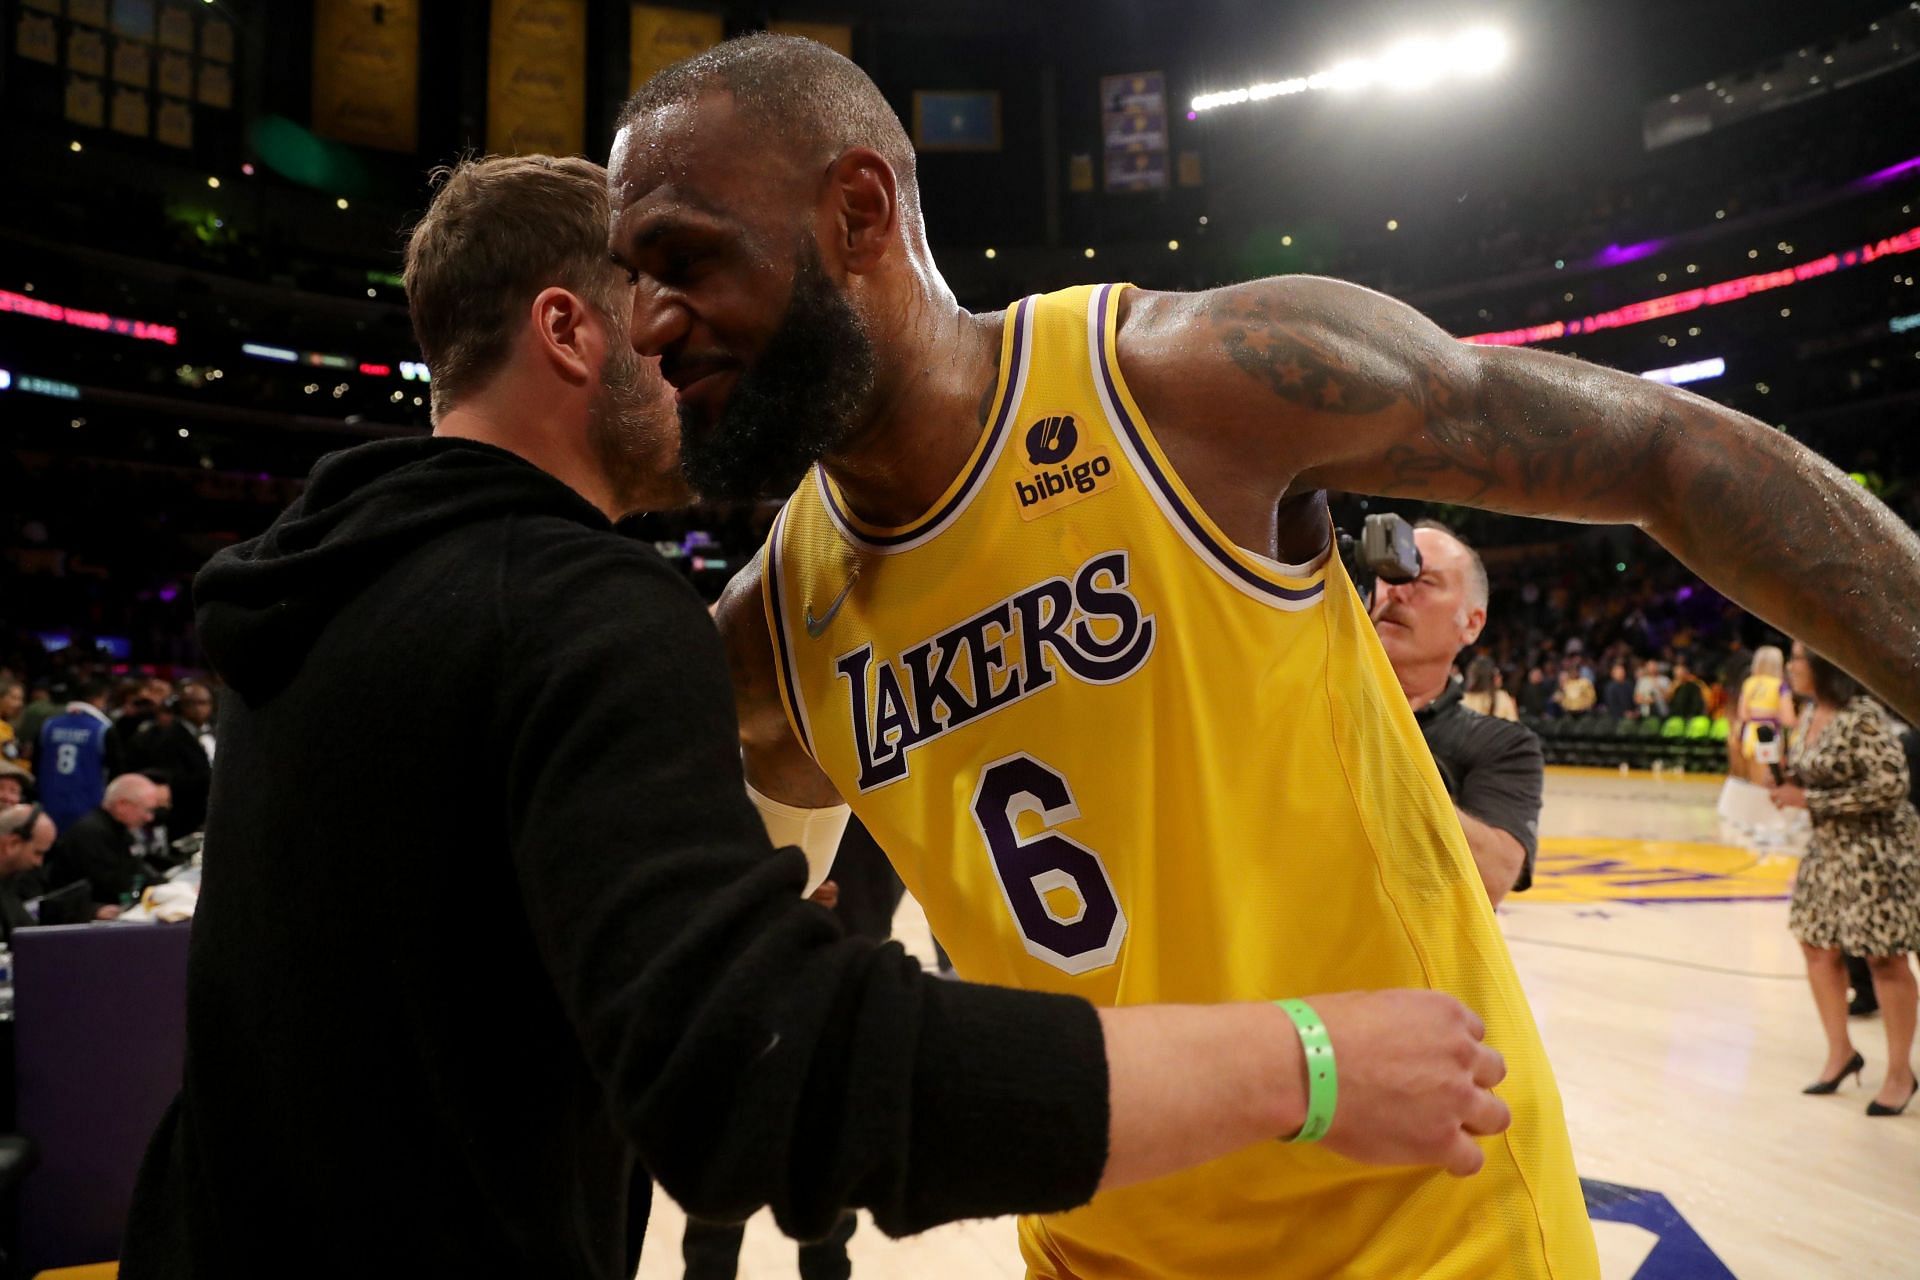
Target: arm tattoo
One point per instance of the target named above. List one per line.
(1291, 366)
(1765, 520)
(1506, 443)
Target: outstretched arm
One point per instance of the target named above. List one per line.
(1336, 386)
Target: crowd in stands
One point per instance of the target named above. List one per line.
(1758, 167)
(1577, 633)
(104, 779)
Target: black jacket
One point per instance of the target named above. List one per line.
(445, 989)
(99, 850)
(171, 747)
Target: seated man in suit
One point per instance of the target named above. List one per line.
(100, 848)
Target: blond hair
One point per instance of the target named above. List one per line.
(1769, 661)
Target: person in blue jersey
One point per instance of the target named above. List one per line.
(76, 754)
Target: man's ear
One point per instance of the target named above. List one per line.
(1475, 624)
(564, 335)
(861, 208)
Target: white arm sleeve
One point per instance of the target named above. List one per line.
(817, 832)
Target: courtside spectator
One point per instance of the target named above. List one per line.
(196, 712)
(1536, 695)
(76, 755)
(26, 833)
(39, 709)
(168, 743)
(1484, 693)
(14, 781)
(13, 700)
(1688, 696)
(1576, 695)
(101, 847)
(1617, 697)
(1650, 691)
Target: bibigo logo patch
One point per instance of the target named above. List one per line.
(1063, 473)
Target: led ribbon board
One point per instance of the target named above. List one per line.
(1712, 295)
(21, 304)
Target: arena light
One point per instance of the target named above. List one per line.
(1712, 295)
(47, 387)
(376, 370)
(414, 371)
(1681, 374)
(1405, 66)
(99, 321)
(1906, 323)
(6, 379)
(271, 353)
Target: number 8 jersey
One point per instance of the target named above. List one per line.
(1113, 754)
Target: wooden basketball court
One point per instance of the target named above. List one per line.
(1672, 999)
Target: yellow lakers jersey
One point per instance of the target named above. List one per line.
(1113, 754)
(1762, 697)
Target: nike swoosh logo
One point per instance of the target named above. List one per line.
(817, 627)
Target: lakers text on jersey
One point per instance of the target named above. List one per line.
(1113, 754)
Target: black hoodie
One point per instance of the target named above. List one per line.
(489, 929)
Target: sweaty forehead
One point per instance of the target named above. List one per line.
(702, 154)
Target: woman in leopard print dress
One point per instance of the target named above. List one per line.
(1858, 889)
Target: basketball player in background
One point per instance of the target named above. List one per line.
(1055, 613)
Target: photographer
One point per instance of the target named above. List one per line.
(1493, 768)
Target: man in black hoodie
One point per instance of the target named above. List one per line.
(452, 998)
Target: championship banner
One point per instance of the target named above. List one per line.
(664, 36)
(366, 72)
(837, 36)
(86, 51)
(536, 77)
(1133, 122)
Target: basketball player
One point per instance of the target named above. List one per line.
(1055, 612)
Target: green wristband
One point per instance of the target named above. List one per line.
(1323, 1080)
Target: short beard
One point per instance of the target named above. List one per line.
(797, 403)
(631, 433)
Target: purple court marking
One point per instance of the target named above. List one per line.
(1678, 1252)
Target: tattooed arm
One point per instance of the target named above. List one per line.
(1310, 383)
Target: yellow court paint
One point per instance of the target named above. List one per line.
(1604, 869)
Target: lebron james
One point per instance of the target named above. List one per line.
(1051, 605)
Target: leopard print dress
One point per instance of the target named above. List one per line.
(1859, 885)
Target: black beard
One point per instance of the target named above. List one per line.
(797, 403)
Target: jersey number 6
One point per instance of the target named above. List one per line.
(1047, 870)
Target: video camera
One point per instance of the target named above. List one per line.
(1384, 551)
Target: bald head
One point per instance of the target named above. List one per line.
(131, 799)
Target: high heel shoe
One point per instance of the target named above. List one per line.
(1875, 1109)
(1855, 1065)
